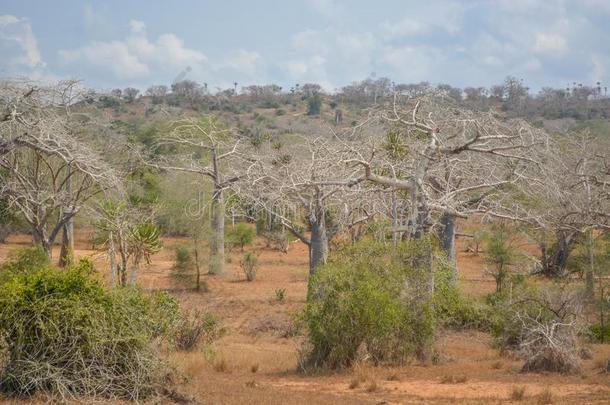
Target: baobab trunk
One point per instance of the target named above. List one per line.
(67, 242)
(554, 263)
(318, 247)
(40, 239)
(217, 242)
(590, 271)
(447, 239)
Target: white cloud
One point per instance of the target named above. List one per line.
(598, 70)
(18, 39)
(404, 27)
(136, 56)
(414, 63)
(245, 62)
(326, 8)
(550, 43)
(114, 57)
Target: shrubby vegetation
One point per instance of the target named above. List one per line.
(541, 325)
(195, 327)
(248, 264)
(65, 334)
(381, 300)
(240, 235)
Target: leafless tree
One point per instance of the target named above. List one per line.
(47, 173)
(206, 147)
(572, 198)
(157, 92)
(130, 94)
(309, 188)
(456, 163)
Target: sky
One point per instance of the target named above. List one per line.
(110, 44)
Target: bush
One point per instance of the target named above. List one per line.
(248, 265)
(314, 104)
(542, 327)
(280, 295)
(68, 335)
(240, 235)
(195, 327)
(25, 259)
(374, 299)
(183, 260)
(599, 333)
(279, 239)
(184, 263)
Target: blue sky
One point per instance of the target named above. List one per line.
(114, 43)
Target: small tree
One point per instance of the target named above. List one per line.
(144, 241)
(500, 254)
(241, 235)
(314, 104)
(128, 235)
(248, 265)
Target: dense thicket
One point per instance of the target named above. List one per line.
(67, 335)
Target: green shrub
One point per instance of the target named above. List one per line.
(183, 261)
(240, 235)
(68, 335)
(374, 298)
(280, 295)
(24, 259)
(195, 327)
(599, 334)
(248, 265)
(541, 326)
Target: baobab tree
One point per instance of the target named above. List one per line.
(206, 147)
(571, 201)
(47, 173)
(455, 163)
(311, 191)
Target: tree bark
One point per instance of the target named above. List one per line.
(217, 242)
(447, 238)
(554, 263)
(67, 242)
(590, 271)
(318, 248)
(112, 258)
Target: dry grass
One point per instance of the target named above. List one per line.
(252, 384)
(254, 368)
(372, 386)
(222, 366)
(238, 303)
(354, 383)
(454, 379)
(545, 397)
(497, 365)
(517, 393)
(393, 377)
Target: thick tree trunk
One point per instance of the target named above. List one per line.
(41, 239)
(447, 238)
(112, 258)
(217, 242)
(554, 262)
(590, 271)
(318, 248)
(67, 242)
(419, 221)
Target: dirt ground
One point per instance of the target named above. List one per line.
(253, 363)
